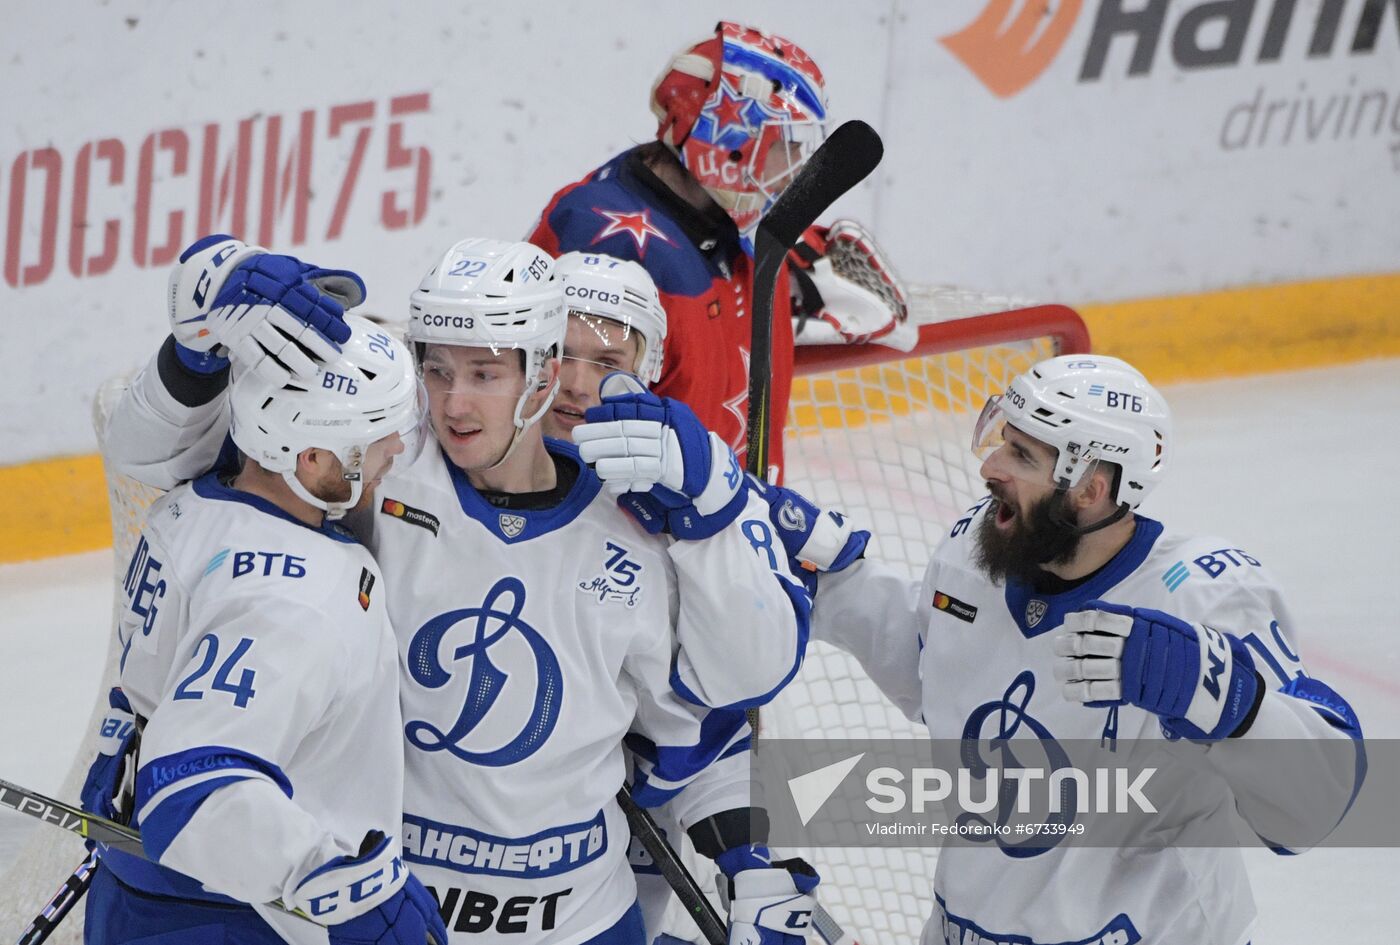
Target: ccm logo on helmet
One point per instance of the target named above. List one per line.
(585, 293)
(1107, 447)
(448, 321)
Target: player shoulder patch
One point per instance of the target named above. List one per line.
(1207, 559)
(366, 587)
(396, 509)
(951, 605)
(620, 580)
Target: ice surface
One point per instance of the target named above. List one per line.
(1298, 469)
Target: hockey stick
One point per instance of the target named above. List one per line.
(697, 905)
(90, 826)
(63, 901)
(688, 891)
(844, 160)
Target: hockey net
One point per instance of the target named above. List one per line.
(886, 437)
(880, 434)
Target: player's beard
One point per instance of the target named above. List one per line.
(1044, 535)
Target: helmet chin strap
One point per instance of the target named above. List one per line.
(351, 464)
(1058, 517)
(521, 425)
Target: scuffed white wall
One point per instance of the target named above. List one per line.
(120, 135)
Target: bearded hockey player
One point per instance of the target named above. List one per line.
(1056, 609)
(259, 672)
(739, 114)
(524, 670)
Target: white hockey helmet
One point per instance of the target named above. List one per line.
(495, 294)
(365, 394)
(621, 291)
(1089, 407)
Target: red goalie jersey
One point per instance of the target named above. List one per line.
(706, 283)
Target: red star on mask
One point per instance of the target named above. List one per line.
(636, 224)
(728, 111)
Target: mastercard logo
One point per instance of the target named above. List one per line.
(394, 508)
(940, 601)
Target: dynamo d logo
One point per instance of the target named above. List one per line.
(1008, 56)
(494, 626)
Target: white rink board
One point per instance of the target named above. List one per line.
(1071, 190)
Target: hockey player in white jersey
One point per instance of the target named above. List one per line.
(261, 673)
(617, 324)
(1054, 610)
(524, 672)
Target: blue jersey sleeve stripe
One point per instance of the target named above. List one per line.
(163, 825)
(162, 773)
(670, 767)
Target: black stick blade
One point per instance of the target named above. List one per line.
(844, 160)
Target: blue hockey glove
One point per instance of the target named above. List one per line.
(371, 899)
(644, 445)
(110, 786)
(229, 300)
(1200, 681)
(770, 902)
(816, 540)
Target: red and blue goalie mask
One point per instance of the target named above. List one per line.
(743, 111)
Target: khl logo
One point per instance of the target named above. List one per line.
(496, 619)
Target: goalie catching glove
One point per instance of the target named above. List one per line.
(232, 301)
(770, 902)
(666, 469)
(1201, 682)
(845, 290)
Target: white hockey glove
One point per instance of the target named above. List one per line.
(655, 455)
(770, 902)
(846, 292)
(232, 301)
(1201, 682)
(370, 899)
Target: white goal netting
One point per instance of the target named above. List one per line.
(879, 434)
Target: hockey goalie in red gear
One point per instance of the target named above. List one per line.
(739, 114)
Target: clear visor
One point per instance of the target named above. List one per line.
(411, 426)
(603, 344)
(414, 430)
(480, 372)
(988, 434)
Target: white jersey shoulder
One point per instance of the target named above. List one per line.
(533, 642)
(259, 651)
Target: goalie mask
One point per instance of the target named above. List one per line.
(367, 393)
(619, 291)
(498, 295)
(743, 111)
(1090, 408)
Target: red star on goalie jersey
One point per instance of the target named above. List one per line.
(636, 224)
(738, 405)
